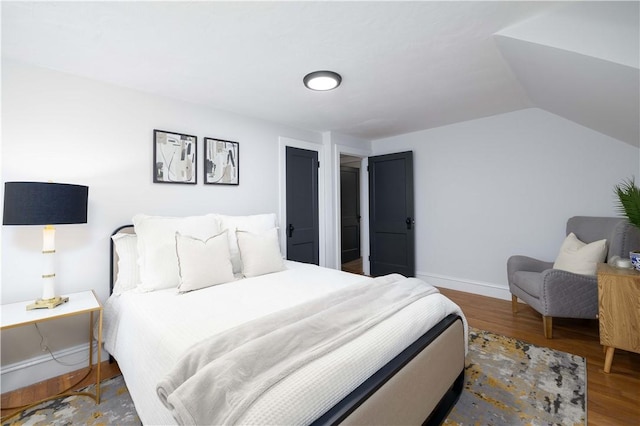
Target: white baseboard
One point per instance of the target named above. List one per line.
(475, 287)
(43, 367)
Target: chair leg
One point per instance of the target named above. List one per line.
(547, 323)
(514, 304)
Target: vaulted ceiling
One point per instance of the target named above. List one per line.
(406, 66)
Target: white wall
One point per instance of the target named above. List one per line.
(68, 129)
(503, 185)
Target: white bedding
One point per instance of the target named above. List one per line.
(148, 332)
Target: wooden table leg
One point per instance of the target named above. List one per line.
(608, 358)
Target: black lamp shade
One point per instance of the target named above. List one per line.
(40, 203)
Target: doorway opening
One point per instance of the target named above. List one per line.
(350, 214)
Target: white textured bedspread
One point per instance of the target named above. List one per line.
(218, 379)
(149, 333)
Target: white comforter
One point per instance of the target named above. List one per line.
(149, 332)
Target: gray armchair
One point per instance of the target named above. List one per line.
(557, 293)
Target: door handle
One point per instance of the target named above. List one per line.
(291, 229)
(409, 222)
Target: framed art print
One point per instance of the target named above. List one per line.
(174, 157)
(221, 162)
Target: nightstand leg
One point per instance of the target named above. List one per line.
(608, 358)
(90, 340)
(97, 394)
(98, 376)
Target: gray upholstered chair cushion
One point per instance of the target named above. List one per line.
(529, 282)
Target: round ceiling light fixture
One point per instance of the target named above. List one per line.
(322, 80)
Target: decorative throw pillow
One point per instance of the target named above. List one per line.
(157, 246)
(260, 252)
(580, 258)
(126, 246)
(256, 224)
(203, 263)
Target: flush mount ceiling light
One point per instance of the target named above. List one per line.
(322, 80)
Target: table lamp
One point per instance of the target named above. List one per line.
(40, 203)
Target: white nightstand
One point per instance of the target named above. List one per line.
(17, 315)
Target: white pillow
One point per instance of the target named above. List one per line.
(203, 263)
(580, 258)
(256, 224)
(126, 247)
(260, 252)
(157, 246)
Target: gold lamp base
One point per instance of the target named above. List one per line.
(47, 303)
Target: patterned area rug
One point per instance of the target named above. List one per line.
(115, 408)
(508, 382)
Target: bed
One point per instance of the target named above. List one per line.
(408, 368)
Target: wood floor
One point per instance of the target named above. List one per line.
(613, 399)
(355, 266)
(20, 397)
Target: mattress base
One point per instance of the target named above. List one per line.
(420, 385)
(440, 413)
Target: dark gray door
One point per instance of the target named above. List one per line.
(391, 214)
(303, 231)
(350, 213)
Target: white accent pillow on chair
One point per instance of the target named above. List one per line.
(580, 258)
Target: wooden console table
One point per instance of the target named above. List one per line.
(619, 310)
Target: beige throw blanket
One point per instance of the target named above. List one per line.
(220, 377)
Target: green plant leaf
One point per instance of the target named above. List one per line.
(629, 200)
